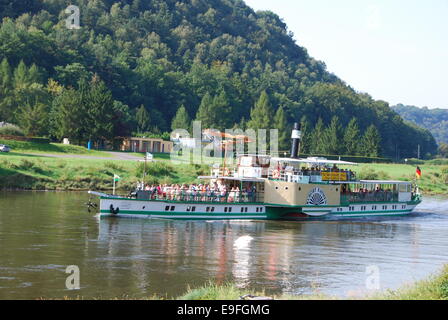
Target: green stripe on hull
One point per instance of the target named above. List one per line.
(189, 216)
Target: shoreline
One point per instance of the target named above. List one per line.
(19, 172)
(433, 287)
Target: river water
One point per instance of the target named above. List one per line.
(42, 233)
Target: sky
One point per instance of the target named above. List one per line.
(395, 50)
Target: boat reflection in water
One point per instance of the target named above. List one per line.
(164, 257)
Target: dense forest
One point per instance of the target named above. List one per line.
(138, 66)
(435, 120)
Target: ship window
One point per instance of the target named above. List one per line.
(167, 208)
(286, 188)
(276, 188)
(172, 208)
(261, 209)
(225, 209)
(193, 209)
(300, 188)
(144, 207)
(245, 209)
(188, 209)
(208, 209)
(258, 209)
(230, 209)
(242, 209)
(213, 209)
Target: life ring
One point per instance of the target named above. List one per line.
(276, 174)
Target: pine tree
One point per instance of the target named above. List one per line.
(143, 119)
(318, 142)
(7, 99)
(181, 120)
(371, 142)
(221, 111)
(261, 113)
(34, 119)
(332, 137)
(203, 114)
(281, 124)
(307, 136)
(34, 75)
(100, 111)
(5, 76)
(352, 138)
(68, 116)
(20, 75)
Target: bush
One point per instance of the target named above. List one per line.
(371, 174)
(11, 130)
(415, 162)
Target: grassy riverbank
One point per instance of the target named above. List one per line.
(24, 147)
(19, 170)
(46, 173)
(433, 288)
(434, 178)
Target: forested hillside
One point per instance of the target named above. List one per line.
(148, 66)
(435, 120)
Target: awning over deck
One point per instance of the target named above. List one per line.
(384, 182)
(315, 161)
(231, 178)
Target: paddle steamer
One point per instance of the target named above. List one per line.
(270, 188)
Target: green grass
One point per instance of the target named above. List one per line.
(45, 173)
(434, 177)
(56, 148)
(433, 288)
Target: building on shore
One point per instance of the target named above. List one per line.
(153, 145)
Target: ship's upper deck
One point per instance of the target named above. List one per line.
(310, 170)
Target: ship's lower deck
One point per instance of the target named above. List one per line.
(123, 207)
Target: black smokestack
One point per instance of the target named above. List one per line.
(296, 135)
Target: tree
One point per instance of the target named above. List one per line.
(143, 119)
(122, 119)
(281, 124)
(21, 75)
(318, 142)
(332, 137)
(443, 150)
(221, 111)
(181, 120)
(99, 107)
(34, 119)
(68, 116)
(6, 97)
(261, 113)
(351, 138)
(204, 115)
(307, 136)
(371, 142)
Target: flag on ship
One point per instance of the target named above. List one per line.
(418, 173)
